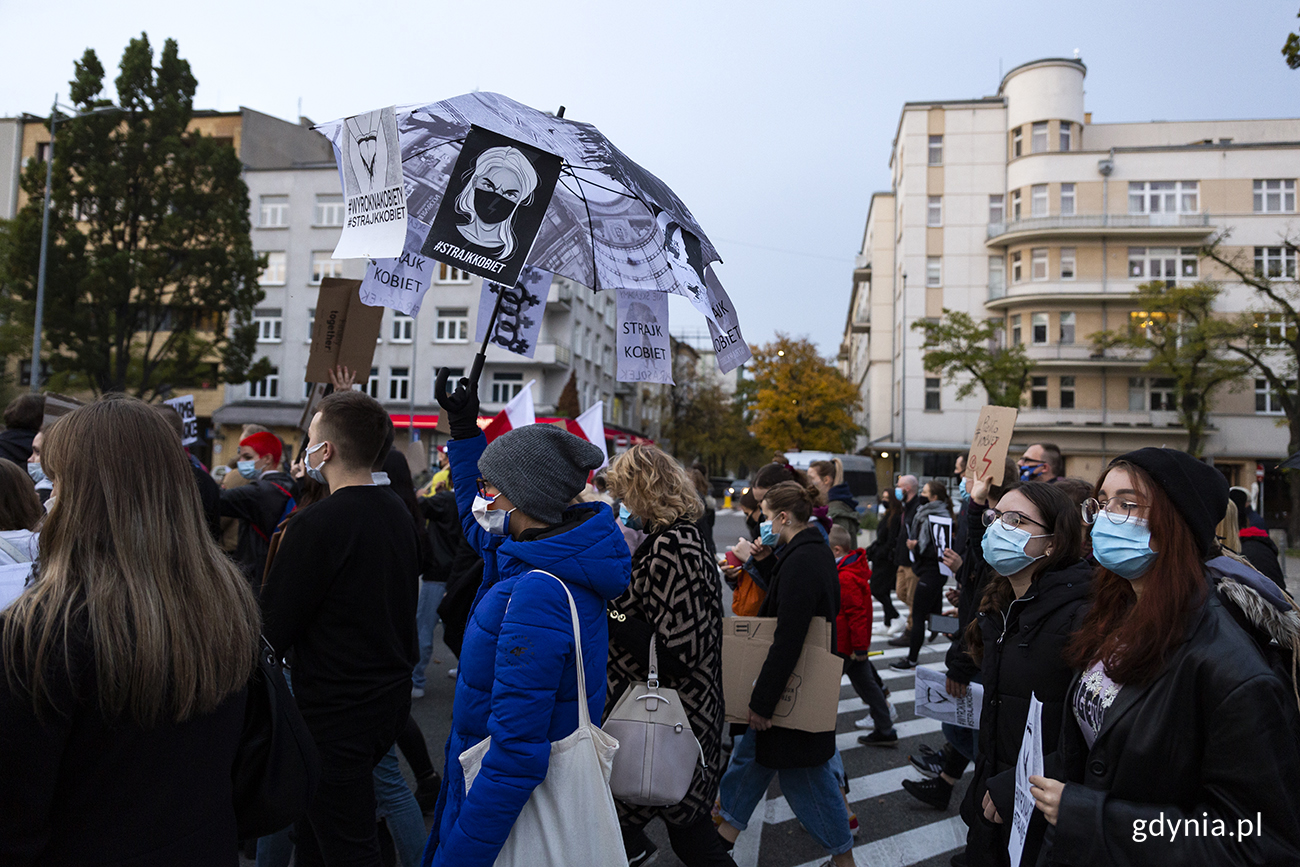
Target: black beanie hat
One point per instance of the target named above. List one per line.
(1199, 492)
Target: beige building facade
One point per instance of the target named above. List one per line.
(1020, 209)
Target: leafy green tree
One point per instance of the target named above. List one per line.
(704, 423)
(968, 352)
(801, 401)
(1182, 339)
(150, 257)
(1291, 49)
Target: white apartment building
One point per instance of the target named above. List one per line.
(1018, 207)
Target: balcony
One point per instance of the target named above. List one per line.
(561, 293)
(1088, 420)
(553, 352)
(1184, 226)
(1002, 295)
(1080, 355)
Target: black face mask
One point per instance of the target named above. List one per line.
(492, 207)
(752, 526)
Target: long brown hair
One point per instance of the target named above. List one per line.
(125, 555)
(1062, 517)
(20, 507)
(1133, 636)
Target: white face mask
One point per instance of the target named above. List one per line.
(495, 521)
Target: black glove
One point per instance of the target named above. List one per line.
(461, 406)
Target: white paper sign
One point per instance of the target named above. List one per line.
(519, 321)
(184, 407)
(934, 701)
(644, 353)
(941, 535)
(13, 578)
(400, 283)
(374, 198)
(724, 326)
(1028, 764)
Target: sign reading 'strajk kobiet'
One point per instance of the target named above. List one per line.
(493, 207)
(644, 352)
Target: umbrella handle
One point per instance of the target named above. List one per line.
(477, 369)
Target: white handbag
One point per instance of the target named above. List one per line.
(570, 819)
(657, 750)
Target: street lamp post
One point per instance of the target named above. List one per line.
(38, 321)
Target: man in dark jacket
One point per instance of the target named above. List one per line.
(1261, 551)
(261, 505)
(905, 582)
(22, 417)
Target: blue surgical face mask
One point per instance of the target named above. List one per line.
(1004, 548)
(1124, 549)
(898, 494)
(767, 535)
(248, 469)
(34, 470)
(315, 473)
(627, 519)
(961, 488)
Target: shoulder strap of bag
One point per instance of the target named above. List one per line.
(23, 557)
(584, 715)
(653, 681)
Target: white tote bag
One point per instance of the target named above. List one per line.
(570, 820)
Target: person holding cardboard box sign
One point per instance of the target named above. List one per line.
(803, 583)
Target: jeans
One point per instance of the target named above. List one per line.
(869, 690)
(396, 803)
(962, 753)
(275, 850)
(813, 794)
(426, 618)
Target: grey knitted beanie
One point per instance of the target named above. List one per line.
(539, 468)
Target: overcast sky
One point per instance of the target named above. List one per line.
(772, 121)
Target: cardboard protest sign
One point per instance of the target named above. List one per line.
(309, 411)
(346, 330)
(400, 283)
(811, 698)
(184, 407)
(988, 447)
(729, 345)
(644, 350)
(519, 321)
(492, 210)
(1028, 764)
(370, 163)
(934, 701)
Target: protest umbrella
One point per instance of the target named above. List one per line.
(488, 185)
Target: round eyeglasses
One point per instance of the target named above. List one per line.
(1117, 510)
(1010, 520)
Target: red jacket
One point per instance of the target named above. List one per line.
(853, 624)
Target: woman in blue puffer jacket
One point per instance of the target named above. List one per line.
(517, 679)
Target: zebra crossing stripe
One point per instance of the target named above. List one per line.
(909, 847)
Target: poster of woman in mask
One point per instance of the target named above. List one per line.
(497, 195)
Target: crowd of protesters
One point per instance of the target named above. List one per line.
(1146, 612)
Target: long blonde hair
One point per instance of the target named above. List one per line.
(654, 487)
(125, 555)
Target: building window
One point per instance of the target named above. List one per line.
(997, 274)
(311, 322)
(452, 325)
(1275, 197)
(1015, 267)
(1067, 392)
(1038, 392)
(275, 212)
(1067, 327)
(273, 274)
(1163, 197)
(505, 386)
(1150, 394)
(1268, 401)
(932, 393)
(1275, 262)
(1067, 199)
(1067, 263)
(403, 327)
(1162, 395)
(323, 264)
(1066, 129)
(25, 371)
(1015, 205)
(1144, 320)
(329, 209)
(372, 384)
(399, 383)
(933, 271)
(1038, 200)
(266, 389)
(448, 274)
(1015, 330)
(936, 150)
(42, 154)
(1274, 328)
(1163, 263)
(1038, 328)
(934, 211)
(1016, 142)
(1038, 263)
(269, 322)
(1038, 138)
(996, 209)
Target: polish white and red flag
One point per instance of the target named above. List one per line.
(518, 412)
(591, 427)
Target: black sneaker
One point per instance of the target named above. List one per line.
(645, 856)
(879, 739)
(903, 664)
(426, 792)
(936, 792)
(931, 767)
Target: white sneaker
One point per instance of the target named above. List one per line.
(893, 712)
(416, 692)
(880, 629)
(897, 628)
(864, 723)
(451, 672)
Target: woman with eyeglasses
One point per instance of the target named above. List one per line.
(1033, 602)
(1179, 744)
